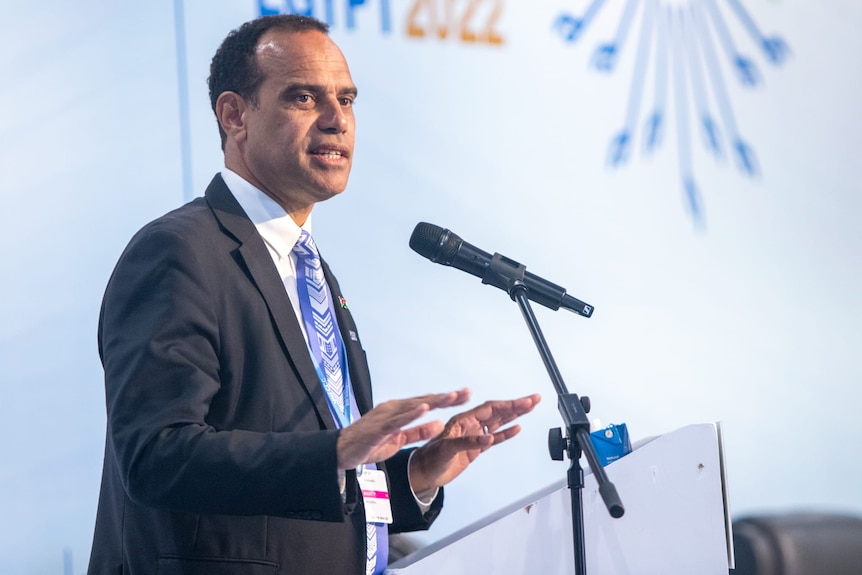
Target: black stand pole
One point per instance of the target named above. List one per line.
(573, 410)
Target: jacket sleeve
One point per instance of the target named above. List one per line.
(406, 513)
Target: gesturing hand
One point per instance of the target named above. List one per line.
(463, 438)
(378, 434)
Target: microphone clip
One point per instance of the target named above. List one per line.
(505, 273)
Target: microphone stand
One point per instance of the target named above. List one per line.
(509, 275)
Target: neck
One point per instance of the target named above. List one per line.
(298, 211)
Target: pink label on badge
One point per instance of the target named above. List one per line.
(374, 494)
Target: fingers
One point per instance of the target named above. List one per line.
(391, 416)
(379, 433)
(494, 414)
(447, 448)
(422, 432)
(451, 399)
(509, 408)
(480, 441)
(430, 401)
(451, 445)
(506, 434)
(518, 406)
(397, 413)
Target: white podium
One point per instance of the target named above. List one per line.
(676, 521)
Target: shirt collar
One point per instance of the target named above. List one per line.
(274, 225)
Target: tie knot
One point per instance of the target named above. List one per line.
(304, 247)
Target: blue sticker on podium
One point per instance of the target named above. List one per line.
(611, 443)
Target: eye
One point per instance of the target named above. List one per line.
(346, 101)
(303, 98)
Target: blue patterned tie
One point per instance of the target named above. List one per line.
(319, 317)
(324, 342)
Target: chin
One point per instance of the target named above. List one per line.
(327, 193)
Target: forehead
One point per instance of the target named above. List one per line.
(293, 56)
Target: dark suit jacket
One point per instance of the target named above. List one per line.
(220, 451)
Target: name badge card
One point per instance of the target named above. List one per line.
(376, 495)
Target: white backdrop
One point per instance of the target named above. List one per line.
(740, 307)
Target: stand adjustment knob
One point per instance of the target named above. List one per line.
(557, 444)
(585, 403)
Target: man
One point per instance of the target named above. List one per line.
(234, 441)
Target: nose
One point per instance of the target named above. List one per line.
(333, 116)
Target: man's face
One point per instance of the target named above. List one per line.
(297, 145)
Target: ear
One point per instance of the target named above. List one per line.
(230, 110)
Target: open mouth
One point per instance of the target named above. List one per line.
(330, 152)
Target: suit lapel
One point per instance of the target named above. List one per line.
(252, 253)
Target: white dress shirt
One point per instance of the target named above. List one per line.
(278, 230)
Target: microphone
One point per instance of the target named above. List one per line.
(444, 247)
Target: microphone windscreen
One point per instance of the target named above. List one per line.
(426, 240)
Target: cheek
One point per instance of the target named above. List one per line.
(290, 137)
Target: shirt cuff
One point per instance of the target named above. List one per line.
(342, 484)
(425, 498)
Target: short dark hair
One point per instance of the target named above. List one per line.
(234, 67)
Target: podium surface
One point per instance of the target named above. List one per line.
(676, 521)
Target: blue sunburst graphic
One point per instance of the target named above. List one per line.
(682, 44)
